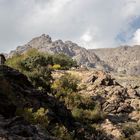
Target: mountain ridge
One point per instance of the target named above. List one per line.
(44, 43)
(123, 59)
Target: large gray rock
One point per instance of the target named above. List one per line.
(17, 128)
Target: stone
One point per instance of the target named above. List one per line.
(17, 128)
(111, 129)
(135, 103)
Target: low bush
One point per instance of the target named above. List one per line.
(38, 117)
(130, 129)
(56, 67)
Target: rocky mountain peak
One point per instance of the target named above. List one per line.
(124, 59)
(44, 43)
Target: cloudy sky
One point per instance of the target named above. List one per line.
(90, 23)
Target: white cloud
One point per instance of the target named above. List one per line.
(91, 23)
(87, 37)
(136, 38)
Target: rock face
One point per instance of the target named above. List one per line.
(44, 43)
(121, 104)
(17, 128)
(123, 59)
(114, 98)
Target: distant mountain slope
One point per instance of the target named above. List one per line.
(123, 59)
(44, 43)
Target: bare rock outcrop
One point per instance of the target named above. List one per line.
(121, 104)
(17, 128)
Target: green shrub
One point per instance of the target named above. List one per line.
(89, 115)
(130, 129)
(15, 62)
(61, 132)
(64, 61)
(77, 113)
(56, 67)
(83, 108)
(35, 66)
(39, 117)
(67, 82)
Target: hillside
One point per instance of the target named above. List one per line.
(120, 104)
(22, 106)
(44, 43)
(16, 95)
(103, 109)
(123, 59)
(41, 102)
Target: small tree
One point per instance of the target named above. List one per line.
(64, 61)
(35, 66)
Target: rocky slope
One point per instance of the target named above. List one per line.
(44, 43)
(121, 104)
(123, 59)
(17, 94)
